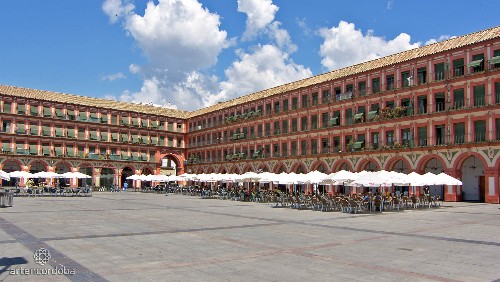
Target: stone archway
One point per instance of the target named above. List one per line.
(63, 167)
(126, 172)
(343, 165)
(107, 177)
(169, 165)
(279, 168)
(473, 179)
(10, 166)
(87, 169)
(235, 170)
(401, 166)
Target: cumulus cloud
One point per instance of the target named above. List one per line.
(441, 38)
(344, 45)
(113, 77)
(116, 9)
(267, 66)
(260, 13)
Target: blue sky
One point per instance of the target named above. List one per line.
(189, 54)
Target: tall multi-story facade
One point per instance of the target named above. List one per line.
(434, 108)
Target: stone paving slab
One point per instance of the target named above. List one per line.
(150, 237)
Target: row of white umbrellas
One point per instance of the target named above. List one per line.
(363, 178)
(156, 178)
(41, 174)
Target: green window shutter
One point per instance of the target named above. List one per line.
(114, 136)
(144, 122)
(45, 130)
(104, 136)
(34, 129)
(21, 109)
(372, 114)
(144, 157)
(70, 151)
(135, 138)
(125, 156)
(478, 95)
(46, 150)
(21, 128)
(125, 121)
(7, 107)
(124, 137)
(34, 110)
(154, 124)
(71, 114)
(154, 140)
(58, 151)
(6, 146)
(71, 133)
(33, 149)
(135, 122)
(47, 112)
(59, 132)
(82, 116)
(93, 135)
(59, 113)
(104, 118)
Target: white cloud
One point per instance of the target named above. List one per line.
(113, 77)
(344, 46)
(133, 68)
(389, 4)
(260, 13)
(281, 37)
(116, 9)
(267, 66)
(441, 38)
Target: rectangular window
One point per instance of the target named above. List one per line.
(325, 117)
(314, 122)
(477, 63)
(303, 147)
(422, 75)
(314, 147)
(362, 88)
(406, 79)
(305, 101)
(375, 85)
(293, 148)
(277, 107)
(422, 104)
(315, 100)
(34, 110)
(459, 129)
(458, 98)
(479, 131)
(375, 140)
(422, 136)
(81, 133)
(284, 149)
(348, 116)
(7, 107)
(285, 105)
(303, 123)
(21, 109)
(390, 82)
(497, 92)
(495, 60)
(325, 147)
(440, 134)
(285, 126)
(458, 67)
(295, 103)
(478, 92)
(277, 128)
(294, 125)
(439, 101)
(389, 137)
(439, 71)
(326, 97)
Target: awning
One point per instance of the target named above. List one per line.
(495, 60)
(475, 63)
(358, 145)
(334, 121)
(358, 116)
(372, 115)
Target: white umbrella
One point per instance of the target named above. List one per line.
(372, 179)
(46, 174)
(4, 175)
(448, 180)
(75, 175)
(20, 174)
(342, 176)
(134, 177)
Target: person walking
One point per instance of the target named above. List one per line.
(125, 186)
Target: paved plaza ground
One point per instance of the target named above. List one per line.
(149, 237)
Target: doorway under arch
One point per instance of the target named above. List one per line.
(10, 166)
(88, 170)
(473, 180)
(107, 178)
(126, 172)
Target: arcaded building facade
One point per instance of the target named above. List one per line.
(435, 108)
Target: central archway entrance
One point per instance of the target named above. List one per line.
(169, 165)
(107, 177)
(126, 172)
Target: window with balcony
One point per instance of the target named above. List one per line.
(303, 147)
(20, 128)
(375, 140)
(495, 60)
(7, 107)
(303, 123)
(314, 147)
(422, 75)
(348, 116)
(422, 104)
(6, 126)
(375, 85)
(46, 130)
(325, 117)
(389, 138)
(284, 149)
(34, 110)
(34, 129)
(439, 71)
(314, 122)
(326, 97)
(315, 99)
(477, 63)
(362, 88)
(459, 129)
(268, 129)
(277, 107)
(458, 98)
(325, 147)
(293, 148)
(439, 101)
(497, 92)
(285, 126)
(46, 151)
(360, 114)
(478, 93)
(406, 79)
(47, 111)
(277, 128)
(458, 67)
(294, 125)
(422, 136)
(374, 109)
(390, 82)
(440, 135)
(479, 131)
(268, 109)
(334, 119)
(21, 109)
